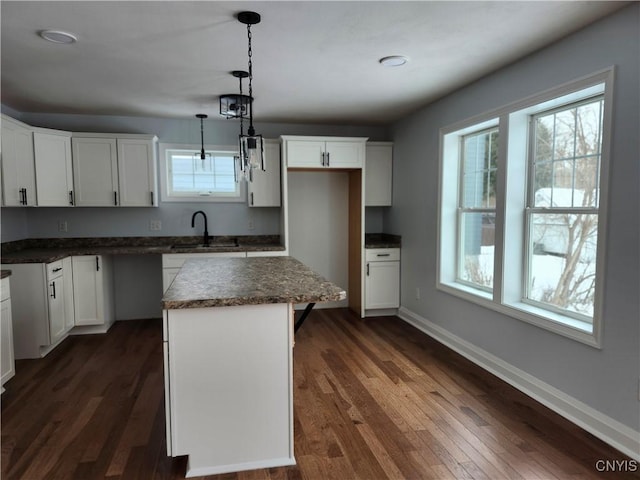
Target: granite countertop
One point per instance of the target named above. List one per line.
(382, 240)
(51, 250)
(223, 282)
(5, 273)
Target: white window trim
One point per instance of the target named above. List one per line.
(164, 193)
(507, 293)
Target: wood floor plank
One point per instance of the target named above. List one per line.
(373, 399)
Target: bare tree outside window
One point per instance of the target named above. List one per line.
(563, 206)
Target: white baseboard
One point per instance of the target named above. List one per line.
(607, 429)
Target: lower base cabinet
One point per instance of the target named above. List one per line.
(7, 363)
(93, 303)
(53, 300)
(382, 279)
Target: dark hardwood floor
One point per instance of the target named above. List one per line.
(373, 399)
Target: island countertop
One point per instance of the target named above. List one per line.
(224, 282)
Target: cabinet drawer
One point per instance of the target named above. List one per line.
(382, 254)
(54, 269)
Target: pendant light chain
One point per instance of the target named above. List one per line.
(250, 54)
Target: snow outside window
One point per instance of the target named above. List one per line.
(522, 207)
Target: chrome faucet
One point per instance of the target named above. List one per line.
(193, 224)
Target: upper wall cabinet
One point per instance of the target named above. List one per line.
(114, 170)
(378, 174)
(264, 188)
(54, 176)
(323, 152)
(18, 169)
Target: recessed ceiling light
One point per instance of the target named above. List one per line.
(58, 36)
(394, 61)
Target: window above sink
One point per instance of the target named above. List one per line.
(184, 177)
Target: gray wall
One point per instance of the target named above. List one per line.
(606, 379)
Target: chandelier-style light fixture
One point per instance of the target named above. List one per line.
(251, 145)
(236, 105)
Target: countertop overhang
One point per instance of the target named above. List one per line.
(225, 282)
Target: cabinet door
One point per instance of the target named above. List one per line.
(305, 153)
(378, 171)
(344, 154)
(57, 322)
(88, 294)
(264, 189)
(136, 173)
(382, 285)
(18, 170)
(7, 363)
(95, 171)
(70, 319)
(54, 177)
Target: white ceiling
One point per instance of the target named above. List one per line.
(314, 62)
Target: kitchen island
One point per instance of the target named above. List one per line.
(228, 340)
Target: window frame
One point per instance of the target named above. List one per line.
(511, 191)
(462, 209)
(166, 195)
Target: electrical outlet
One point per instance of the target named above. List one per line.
(250, 225)
(62, 226)
(155, 225)
(417, 293)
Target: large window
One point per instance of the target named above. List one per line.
(562, 207)
(522, 215)
(187, 177)
(477, 207)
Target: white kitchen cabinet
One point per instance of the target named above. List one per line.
(323, 152)
(54, 175)
(38, 307)
(137, 172)
(114, 170)
(382, 278)
(93, 290)
(264, 188)
(18, 168)
(7, 361)
(172, 263)
(95, 171)
(378, 174)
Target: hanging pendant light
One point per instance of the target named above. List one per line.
(251, 145)
(202, 155)
(234, 105)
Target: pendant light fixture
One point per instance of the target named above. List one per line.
(251, 145)
(236, 105)
(202, 155)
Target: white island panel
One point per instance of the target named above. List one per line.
(230, 387)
